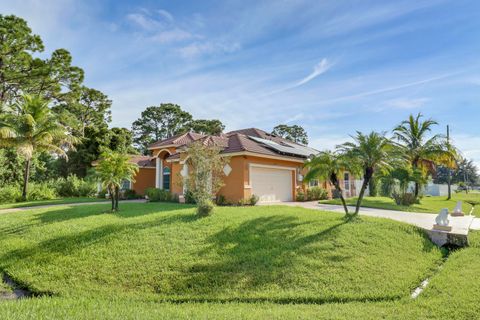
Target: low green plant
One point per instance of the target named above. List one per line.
(10, 194)
(300, 195)
(205, 208)
(253, 199)
(404, 199)
(72, 186)
(221, 200)
(189, 197)
(129, 194)
(158, 195)
(316, 193)
(41, 191)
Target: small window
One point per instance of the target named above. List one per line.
(125, 184)
(313, 183)
(166, 178)
(346, 181)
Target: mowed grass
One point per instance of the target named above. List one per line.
(259, 263)
(162, 252)
(427, 204)
(49, 202)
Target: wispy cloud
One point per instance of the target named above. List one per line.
(318, 69)
(390, 88)
(209, 47)
(406, 103)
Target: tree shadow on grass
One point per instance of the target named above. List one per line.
(255, 255)
(130, 210)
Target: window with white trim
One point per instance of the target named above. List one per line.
(313, 183)
(346, 181)
(126, 185)
(166, 178)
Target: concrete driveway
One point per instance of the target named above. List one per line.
(460, 225)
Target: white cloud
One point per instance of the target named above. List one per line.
(174, 35)
(318, 69)
(166, 15)
(143, 21)
(406, 103)
(209, 47)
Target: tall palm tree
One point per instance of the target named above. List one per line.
(328, 165)
(423, 152)
(373, 153)
(30, 126)
(112, 170)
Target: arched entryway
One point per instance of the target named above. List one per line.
(162, 172)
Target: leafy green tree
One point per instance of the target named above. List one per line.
(113, 168)
(30, 127)
(423, 152)
(159, 122)
(207, 127)
(293, 133)
(372, 153)
(85, 107)
(330, 166)
(206, 175)
(121, 140)
(466, 172)
(22, 73)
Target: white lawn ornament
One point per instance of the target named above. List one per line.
(458, 209)
(442, 222)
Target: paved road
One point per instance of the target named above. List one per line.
(460, 225)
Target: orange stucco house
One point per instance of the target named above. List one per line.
(259, 163)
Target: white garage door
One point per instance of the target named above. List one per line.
(271, 184)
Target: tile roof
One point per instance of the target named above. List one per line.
(177, 140)
(235, 141)
(141, 161)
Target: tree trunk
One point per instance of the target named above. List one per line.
(416, 190)
(344, 203)
(449, 184)
(26, 177)
(117, 197)
(111, 190)
(366, 180)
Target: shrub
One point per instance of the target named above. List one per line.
(205, 208)
(41, 191)
(10, 193)
(158, 195)
(129, 194)
(300, 195)
(254, 199)
(316, 193)
(404, 199)
(72, 186)
(189, 197)
(221, 201)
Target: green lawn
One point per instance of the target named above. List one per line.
(427, 204)
(156, 260)
(48, 202)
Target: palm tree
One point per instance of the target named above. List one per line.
(328, 165)
(372, 153)
(112, 170)
(422, 152)
(30, 126)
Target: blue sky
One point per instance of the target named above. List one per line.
(333, 67)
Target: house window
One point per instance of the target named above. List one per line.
(346, 181)
(313, 183)
(166, 178)
(126, 185)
